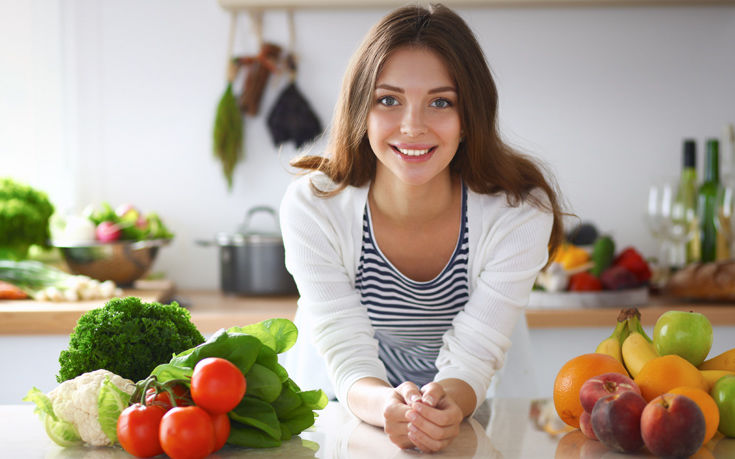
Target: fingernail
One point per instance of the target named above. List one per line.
(429, 400)
(413, 398)
(412, 427)
(411, 415)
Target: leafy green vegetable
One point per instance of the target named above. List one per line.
(111, 401)
(259, 414)
(127, 337)
(132, 224)
(278, 334)
(31, 275)
(228, 133)
(274, 408)
(61, 432)
(24, 219)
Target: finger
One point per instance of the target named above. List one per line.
(447, 414)
(432, 430)
(426, 443)
(409, 391)
(432, 393)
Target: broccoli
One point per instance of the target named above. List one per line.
(24, 219)
(127, 337)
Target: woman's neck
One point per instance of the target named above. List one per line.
(409, 205)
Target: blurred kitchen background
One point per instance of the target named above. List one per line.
(104, 100)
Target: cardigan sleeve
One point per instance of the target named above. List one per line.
(512, 250)
(317, 244)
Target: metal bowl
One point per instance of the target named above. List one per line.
(123, 262)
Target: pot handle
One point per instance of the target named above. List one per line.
(257, 209)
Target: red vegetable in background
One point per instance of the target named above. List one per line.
(187, 433)
(217, 385)
(221, 424)
(584, 282)
(138, 428)
(631, 260)
(107, 232)
(163, 399)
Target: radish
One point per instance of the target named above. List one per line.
(107, 232)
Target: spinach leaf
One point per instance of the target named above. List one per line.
(278, 334)
(300, 419)
(314, 399)
(248, 437)
(239, 348)
(288, 401)
(263, 383)
(259, 414)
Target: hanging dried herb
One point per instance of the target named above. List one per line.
(228, 134)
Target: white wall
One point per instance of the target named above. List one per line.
(115, 100)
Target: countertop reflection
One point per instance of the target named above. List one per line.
(501, 428)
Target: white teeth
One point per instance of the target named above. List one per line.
(413, 152)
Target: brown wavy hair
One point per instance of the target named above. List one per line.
(483, 161)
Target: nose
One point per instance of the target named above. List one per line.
(412, 123)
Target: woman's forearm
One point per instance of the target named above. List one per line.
(462, 394)
(367, 400)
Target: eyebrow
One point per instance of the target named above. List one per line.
(431, 91)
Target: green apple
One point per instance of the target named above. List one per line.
(724, 394)
(686, 334)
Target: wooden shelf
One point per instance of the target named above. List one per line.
(235, 5)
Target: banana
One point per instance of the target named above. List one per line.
(612, 345)
(637, 348)
(711, 376)
(724, 361)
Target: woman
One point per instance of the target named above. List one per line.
(416, 241)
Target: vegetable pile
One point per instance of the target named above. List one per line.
(105, 224)
(127, 337)
(227, 389)
(24, 219)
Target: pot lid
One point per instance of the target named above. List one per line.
(246, 234)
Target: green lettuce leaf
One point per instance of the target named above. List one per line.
(61, 432)
(278, 334)
(111, 401)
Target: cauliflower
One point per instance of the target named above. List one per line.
(85, 404)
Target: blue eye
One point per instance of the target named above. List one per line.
(388, 101)
(441, 103)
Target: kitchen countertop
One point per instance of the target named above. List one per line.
(211, 310)
(501, 428)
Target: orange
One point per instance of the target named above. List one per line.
(570, 378)
(663, 373)
(708, 406)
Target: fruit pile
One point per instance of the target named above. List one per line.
(577, 269)
(661, 393)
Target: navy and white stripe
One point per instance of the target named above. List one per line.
(409, 317)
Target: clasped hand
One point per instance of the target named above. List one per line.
(427, 419)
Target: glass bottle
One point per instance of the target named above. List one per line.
(685, 229)
(708, 206)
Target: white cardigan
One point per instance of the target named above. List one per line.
(323, 237)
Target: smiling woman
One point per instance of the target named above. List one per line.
(415, 242)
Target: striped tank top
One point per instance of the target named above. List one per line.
(409, 318)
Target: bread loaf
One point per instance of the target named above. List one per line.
(712, 281)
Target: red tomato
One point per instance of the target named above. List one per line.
(163, 399)
(221, 423)
(217, 385)
(137, 430)
(187, 433)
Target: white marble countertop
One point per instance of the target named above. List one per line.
(500, 429)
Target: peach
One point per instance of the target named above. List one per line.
(616, 421)
(605, 384)
(585, 426)
(672, 425)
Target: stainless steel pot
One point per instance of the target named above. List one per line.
(252, 262)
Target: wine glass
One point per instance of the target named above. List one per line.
(660, 223)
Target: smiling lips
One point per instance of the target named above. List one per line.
(413, 150)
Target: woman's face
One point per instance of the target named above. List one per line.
(413, 125)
